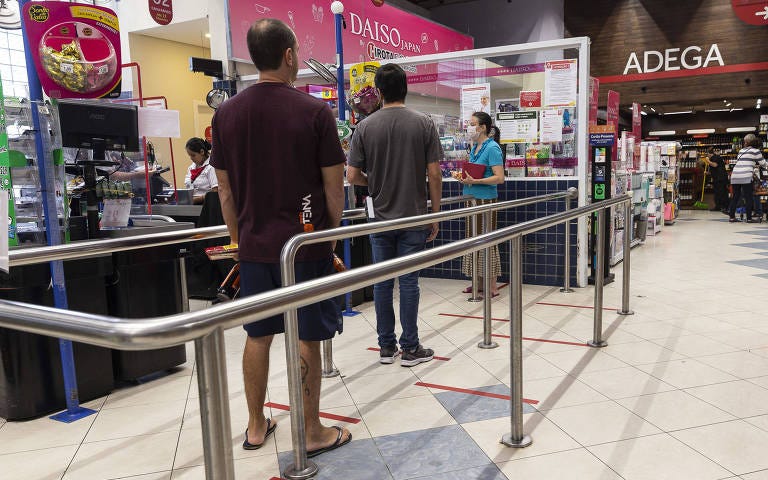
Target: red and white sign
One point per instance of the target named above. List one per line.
(161, 11)
(530, 98)
(637, 121)
(612, 117)
(372, 33)
(594, 95)
(753, 12)
(209, 134)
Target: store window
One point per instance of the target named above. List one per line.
(13, 69)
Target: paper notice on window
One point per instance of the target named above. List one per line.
(551, 126)
(154, 122)
(475, 98)
(560, 81)
(518, 127)
(5, 221)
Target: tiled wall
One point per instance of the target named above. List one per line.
(543, 257)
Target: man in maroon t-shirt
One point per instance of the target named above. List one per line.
(280, 169)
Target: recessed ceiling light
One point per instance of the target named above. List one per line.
(660, 133)
(736, 109)
(718, 110)
(740, 129)
(679, 113)
(697, 131)
(653, 110)
(207, 35)
(642, 112)
(728, 104)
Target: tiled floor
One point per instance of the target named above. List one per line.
(681, 392)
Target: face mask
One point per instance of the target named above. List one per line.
(473, 132)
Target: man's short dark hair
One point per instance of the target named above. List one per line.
(391, 81)
(268, 39)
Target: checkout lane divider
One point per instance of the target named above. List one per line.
(469, 391)
(329, 416)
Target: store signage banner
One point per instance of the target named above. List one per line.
(612, 115)
(753, 12)
(373, 32)
(594, 95)
(637, 121)
(76, 48)
(161, 11)
(530, 98)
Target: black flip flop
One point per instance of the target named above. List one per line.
(338, 443)
(271, 427)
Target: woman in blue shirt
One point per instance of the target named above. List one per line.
(485, 151)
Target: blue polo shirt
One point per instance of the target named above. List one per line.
(490, 156)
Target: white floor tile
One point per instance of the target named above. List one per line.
(404, 415)
(37, 465)
(42, 433)
(736, 445)
(263, 467)
(137, 420)
(675, 410)
(740, 398)
(615, 423)
(577, 464)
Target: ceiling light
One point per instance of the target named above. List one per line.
(728, 104)
(207, 35)
(679, 113)
(736, 109)
(718, 110)
(653, 109)
(740, 129)
(697, 131)
(642, 112)
(659, 133)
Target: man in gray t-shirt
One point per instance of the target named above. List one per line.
(392, 152)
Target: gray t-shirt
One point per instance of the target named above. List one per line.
(393, 146)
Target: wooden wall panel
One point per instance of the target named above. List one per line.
(620, 27)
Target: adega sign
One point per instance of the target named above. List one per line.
(161, 11)
(373, 32)
(689, 58)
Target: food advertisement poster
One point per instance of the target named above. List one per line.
(76, 48)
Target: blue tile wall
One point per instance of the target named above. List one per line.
(543, 259)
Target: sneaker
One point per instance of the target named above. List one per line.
(387, 355)
(416, 356)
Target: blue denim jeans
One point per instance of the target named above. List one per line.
(386, 246)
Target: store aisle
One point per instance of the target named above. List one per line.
(680, 392)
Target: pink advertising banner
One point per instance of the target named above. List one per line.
(594, 95)
(637, 121)
(612, 117)
(372, 33)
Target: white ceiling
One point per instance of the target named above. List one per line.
(190, 33)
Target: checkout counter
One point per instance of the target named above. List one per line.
(132, 284)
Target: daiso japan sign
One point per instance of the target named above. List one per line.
(372, 32)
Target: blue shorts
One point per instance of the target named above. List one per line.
(319, 321)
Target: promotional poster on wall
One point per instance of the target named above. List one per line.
(560, 80)
(475, 98)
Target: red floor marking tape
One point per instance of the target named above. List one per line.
(573, 306)
(329, 416)
(471, 316)
(544, 340)
(472, 392)
(445, 359)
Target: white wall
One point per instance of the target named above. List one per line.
(493, 23)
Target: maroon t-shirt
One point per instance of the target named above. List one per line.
(273, 140)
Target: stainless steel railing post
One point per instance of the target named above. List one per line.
(214, 406)
(301, 468)
(516, 438)
(626, 267)
(329, 371)
(487, 342)
(597, 334)
(183, 279)
(567, 247)
(475, 297)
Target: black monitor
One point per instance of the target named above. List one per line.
(99, 126)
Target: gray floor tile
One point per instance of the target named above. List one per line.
(466, 408)
(360, 459)
(430, 452)
(487, 472)
(757, 245)
(761, 263)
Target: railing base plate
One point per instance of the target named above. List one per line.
(600, 344)
(310, 471)
(487, 346)
(350, 313)
(333, 373)
(68, 417)
(566, 290)
(628, 312)
(475, 299)
(522, 443)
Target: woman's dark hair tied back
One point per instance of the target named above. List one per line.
(199, 145)
(491, 130)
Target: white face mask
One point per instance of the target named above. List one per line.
(473, 131)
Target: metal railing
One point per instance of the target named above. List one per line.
(206, 327)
